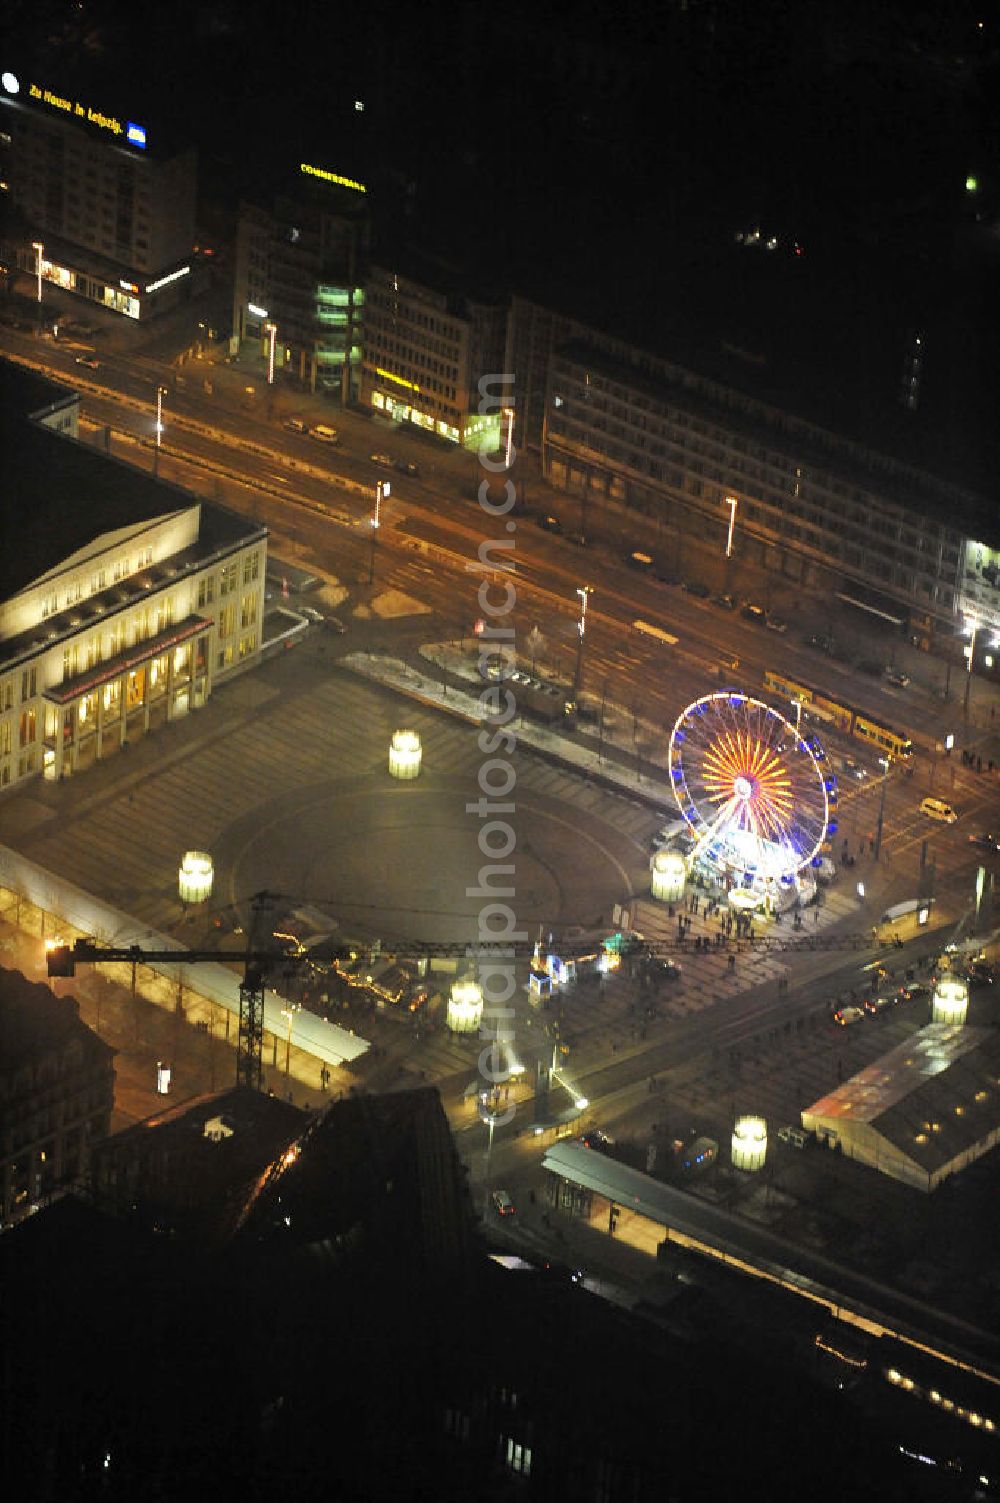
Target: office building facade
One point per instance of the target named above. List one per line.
(126, 602)
(426, 352)
(812, 507)
(93, 202)
(301, 261)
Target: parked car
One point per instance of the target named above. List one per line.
(845, 1016)
(502, 1203)
(936, 808)
(550, 524)
(598, 1140)
(724, 602)
(407, 467)
(853, 769)
(696, 588)
(915, 991)
(776, 623)
(893, 676)
(755, 613)
(988, 841)
(666, 970)
(385, 460)
(296, 425)
(881, 1003)
(324, 433)
(578, 539)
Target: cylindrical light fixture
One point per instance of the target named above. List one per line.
(749, 1146)
(667, 875)
(465, 1007)
(194, 881)
(950, 1003)
(404, 754)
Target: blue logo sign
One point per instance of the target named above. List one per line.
(135, 134)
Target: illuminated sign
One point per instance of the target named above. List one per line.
(127, 286)
(11, 83)
(332, 177)
(399, 380)
(133, 133)
(172, 276)
(257, 311)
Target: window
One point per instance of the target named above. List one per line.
(7, 694)
(227, 620)
(206, 590)
(248, 609)
(251, 566)
(227, 580)
(5, 738)
(519, 1458)
(70, 662)
(248, 645)
(225, 657)
(29, 684)
(27, 728)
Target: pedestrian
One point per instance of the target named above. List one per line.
(732, 962)
(815, 915)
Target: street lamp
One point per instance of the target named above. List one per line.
(272, 329)
(584, 592)
(288, 1014)
(161, 392)
(508, 413)
(38, 247)
(732, 503)
(798, 703)
(381, 489)
(884, 764)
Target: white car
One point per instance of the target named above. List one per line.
(385, 460)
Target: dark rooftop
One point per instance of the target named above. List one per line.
(70, 493)
(34, 1022)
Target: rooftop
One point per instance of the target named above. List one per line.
(73, 494)
(933, 1096)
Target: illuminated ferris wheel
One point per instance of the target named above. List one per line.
(759, 799)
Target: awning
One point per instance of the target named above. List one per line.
(85, 683)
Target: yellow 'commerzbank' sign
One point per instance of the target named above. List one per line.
(134, 134)
(332, 177)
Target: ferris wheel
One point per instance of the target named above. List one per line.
(758, 798)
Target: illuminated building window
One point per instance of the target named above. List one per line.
(519, 1458)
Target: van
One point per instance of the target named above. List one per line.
(324, 434)
(936, 808)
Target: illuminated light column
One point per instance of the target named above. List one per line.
(381, 489)
(584, 592)
(405, 753)
(161, 392)
(272, 330)
(972, 628)
(38, 247)
(195, 877)
(465, 1008)
(950, 1002)
(732, 503)
(749, 1144)
(667, 876)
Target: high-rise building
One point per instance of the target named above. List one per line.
(301, 261)
(94, 202)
